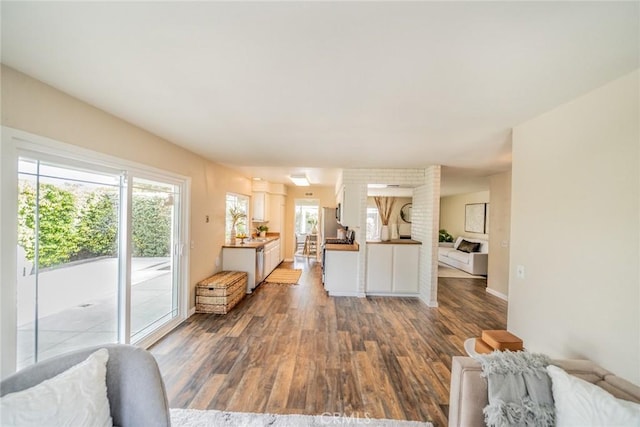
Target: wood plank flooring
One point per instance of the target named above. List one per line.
(292, 349)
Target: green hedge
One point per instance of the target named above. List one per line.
(151, 226)
(98, 226)
(77, 225)
(57, 212)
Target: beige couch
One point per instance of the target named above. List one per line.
(469, 390)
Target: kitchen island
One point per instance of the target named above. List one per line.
(392, 267)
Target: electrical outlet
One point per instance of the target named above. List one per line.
(520, 271)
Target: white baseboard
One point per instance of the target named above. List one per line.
(391, 294)
(346, 294)
(428, 303)
(497, 294)
(288, 260)
(191, 312)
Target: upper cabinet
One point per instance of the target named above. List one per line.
(349, 205)
(268, 201)
(260, 208)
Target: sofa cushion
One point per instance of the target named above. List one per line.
(484, 244)
(580, 403)
(466, 246)
(77, 396)
(445, 251)
(459, 256)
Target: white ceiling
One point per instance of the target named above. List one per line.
(273, 88)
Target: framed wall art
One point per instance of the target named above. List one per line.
(475, 218)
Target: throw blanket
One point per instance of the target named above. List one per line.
(519, 389)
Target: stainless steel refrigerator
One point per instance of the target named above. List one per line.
(328, 224)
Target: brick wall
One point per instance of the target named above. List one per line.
(425, 217)
(424, 226)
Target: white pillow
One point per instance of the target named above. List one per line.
(75, 397)
(581, 404)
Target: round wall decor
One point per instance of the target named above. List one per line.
(405, 213)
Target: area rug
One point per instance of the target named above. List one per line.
(446, 271)
(197, 418)
(285, 276)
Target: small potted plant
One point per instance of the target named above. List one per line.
(313, 223)
(444, 236)
(262, 230)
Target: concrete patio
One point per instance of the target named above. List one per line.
(77, 305)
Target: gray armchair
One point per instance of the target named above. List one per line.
(135, 389)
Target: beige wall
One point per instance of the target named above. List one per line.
(500, 220)
(452, 213)
(34, 107)
(325, 195)
(576, 229)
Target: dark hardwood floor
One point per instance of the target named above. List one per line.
(293, 349)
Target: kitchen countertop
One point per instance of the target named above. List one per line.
(394, 242)
(252, 243)
(342, 247)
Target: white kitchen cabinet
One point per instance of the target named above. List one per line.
(277, 253)
(379, 269)
(268, 262)
(349, 197)
(272, 256)
(341, 273)
(406, 259)
(392, 269)
(241, 259)
(260, 207)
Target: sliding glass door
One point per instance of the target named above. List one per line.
(80, 229)
(67, 284)
(154, 255)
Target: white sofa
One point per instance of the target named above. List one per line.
(473, 263)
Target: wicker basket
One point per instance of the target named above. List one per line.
(221, 292)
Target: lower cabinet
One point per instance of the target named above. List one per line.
(379, 268)
(392, 269)
(241, 259)
(244, 259)
(271, 256)
(341, 273)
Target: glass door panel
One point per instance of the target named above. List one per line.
(154, 255)
(67, 287)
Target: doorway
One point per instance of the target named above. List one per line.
(306, 228)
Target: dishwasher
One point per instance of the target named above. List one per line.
(259, 266)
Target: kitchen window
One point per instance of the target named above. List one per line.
(373, 224)
(241, 202)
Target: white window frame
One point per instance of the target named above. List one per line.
(378, 224)
(16, 143)
(240, 198)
